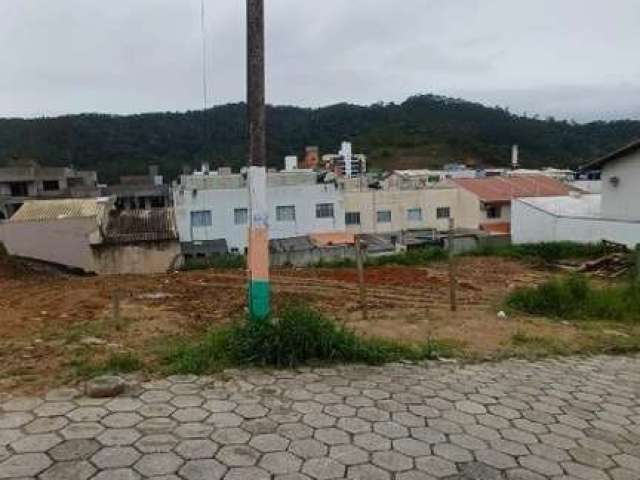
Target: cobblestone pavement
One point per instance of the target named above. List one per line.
(559, 419)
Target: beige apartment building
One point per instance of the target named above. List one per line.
(392, 210)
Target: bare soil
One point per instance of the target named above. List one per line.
(49, 322)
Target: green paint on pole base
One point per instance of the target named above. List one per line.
(259, 299)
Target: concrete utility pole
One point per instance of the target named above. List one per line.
(258, 258)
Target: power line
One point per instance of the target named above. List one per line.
(204, 55)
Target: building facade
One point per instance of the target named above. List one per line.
(485, 203)
(29, 180)
(212, 207)
(613, 215)
(91, 235)
(387, 210)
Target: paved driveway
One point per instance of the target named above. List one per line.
(564, 419)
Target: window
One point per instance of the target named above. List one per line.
(352, 218)
(414, 214)
(443, 212)
(286, 213)
(19, 189)
(157, 202)
(324, 210)
(494, 212)
(384, 216)
(433, 179)
(51, 185)
(241, 216)
(201, 219)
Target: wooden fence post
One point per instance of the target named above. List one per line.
(115, 306)
(453, 281)
(363, 291)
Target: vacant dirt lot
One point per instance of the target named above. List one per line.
(49, 323)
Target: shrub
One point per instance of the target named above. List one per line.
(420, 256)
(221, 262)
(549, 252)
(299, 335)
(575, 298)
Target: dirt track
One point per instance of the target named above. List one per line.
(43, 316)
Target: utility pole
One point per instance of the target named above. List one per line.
(258, 258)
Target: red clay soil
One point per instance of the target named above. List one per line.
(40, 311)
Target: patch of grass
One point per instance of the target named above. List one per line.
(419, 256)
(529, 345)
(548, 252)
(298, 335)
(220, 262)
(574, 298)
(85, 367)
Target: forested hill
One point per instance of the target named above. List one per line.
(422, 131)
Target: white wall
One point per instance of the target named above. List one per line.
(64, 241)
(533, 225)
(622, 202)
(223, 202)
(142, 258)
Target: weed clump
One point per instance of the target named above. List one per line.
(574, 298)
(548, 252)
(298, 335)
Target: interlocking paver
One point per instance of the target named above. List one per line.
(436, 466)
(155, 464)
(160, 443)
(392, 461)
(115, 437)
(74, 450)
(196, 449)
(496, 459)
(323, 469)
(348, 454)
(238, 456)
(367, 472)
(115, 457)
(78, 470)
(541, 465)
(203, 470)
(571, 419)
(24, 465)
(36, 443)
(280, 463)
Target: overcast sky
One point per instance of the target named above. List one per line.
(568, 58)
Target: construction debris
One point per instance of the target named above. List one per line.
(609, 266)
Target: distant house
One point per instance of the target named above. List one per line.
(91, 235)
(27, 179)
(140, 192)
(394, 210)
(613, 215)
(620, 175)
(485, 203)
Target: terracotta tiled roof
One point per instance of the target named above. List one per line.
(505, 189)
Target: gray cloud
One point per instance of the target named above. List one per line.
(571, 59)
